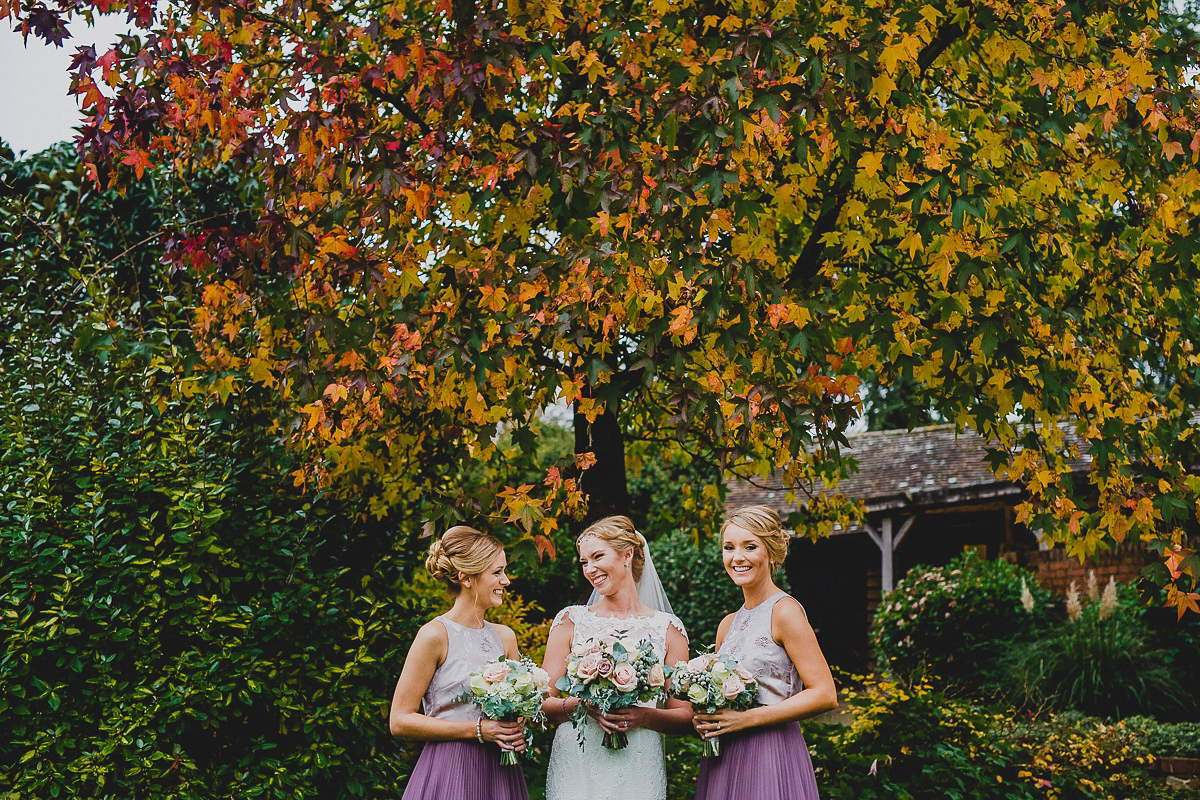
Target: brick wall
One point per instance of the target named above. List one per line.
(1056, 570)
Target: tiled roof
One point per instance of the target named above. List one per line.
(913, 470)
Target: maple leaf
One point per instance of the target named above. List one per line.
(138, 160)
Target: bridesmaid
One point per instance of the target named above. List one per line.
(763, 754)
(462, 758)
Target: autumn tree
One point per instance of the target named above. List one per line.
(697, 222)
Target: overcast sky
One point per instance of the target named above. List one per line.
(35, 109)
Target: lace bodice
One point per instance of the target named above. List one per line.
(749, 641)
(653, 627)
(467, 649)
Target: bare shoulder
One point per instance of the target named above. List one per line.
(723, 628)
(508, 637)
(788, 617)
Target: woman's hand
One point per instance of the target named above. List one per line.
(722, 722)
(623, 720)
(509, 735)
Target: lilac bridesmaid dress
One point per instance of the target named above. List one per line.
(462, 769)
(769, 762)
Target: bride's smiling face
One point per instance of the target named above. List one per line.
(605, 568)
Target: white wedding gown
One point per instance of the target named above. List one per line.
(593, 772)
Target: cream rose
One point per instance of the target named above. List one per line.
(624, 677)
(524, 680)
(495, 671)
(657, 676)
(541, 678)
(479, 686)
(589, 667)
(732, 687)
(697, 694)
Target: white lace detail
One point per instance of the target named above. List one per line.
(592, 772)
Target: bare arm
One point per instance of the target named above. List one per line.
(558, 650)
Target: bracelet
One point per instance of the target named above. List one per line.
(479, 730)
(564, 706)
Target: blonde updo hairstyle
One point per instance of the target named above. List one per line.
(462, 552)
(763, 522)
(618, 531)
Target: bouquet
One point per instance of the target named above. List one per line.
(611, 672)
(508, 689)
(711, 682)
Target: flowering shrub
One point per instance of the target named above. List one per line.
(953, 622)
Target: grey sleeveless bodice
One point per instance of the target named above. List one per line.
(749, 641)
(467, 650)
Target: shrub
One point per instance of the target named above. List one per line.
(1096, 661)
(955, 621)
(1167, 739)
(909, 740)
(1073, 755)
(912, 741)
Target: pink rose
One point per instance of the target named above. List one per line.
(732, 687)
(541, 678)
(495, 671)
(743, 674)
(656, 677)
(624, 677)
(605, 667)
(588, 667)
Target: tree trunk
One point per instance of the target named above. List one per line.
(604, 484)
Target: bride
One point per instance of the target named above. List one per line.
(614, 558)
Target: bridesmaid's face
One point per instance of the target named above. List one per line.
(604, 567)
(745, 558)
(489, 585)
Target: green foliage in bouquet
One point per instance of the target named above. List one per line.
(955, 622)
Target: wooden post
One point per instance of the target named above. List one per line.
(887, 544)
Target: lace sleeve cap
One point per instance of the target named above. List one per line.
(562, 615)
(674, 622)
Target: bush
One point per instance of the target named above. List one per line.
(954, 622)
(700, 591)
(912, 741)
(1073, 755)
(1167, 739)
(1096, 661)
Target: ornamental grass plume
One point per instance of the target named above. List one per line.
(1108, 603)
(1093, 586)
(1074, 609)
(1026, 597)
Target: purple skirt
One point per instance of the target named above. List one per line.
(769, 763)
(463, 770)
